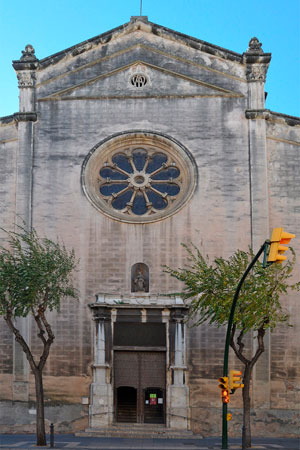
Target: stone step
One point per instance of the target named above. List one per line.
(131, 430)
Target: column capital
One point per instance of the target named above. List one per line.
(25, 68)
(257, 62)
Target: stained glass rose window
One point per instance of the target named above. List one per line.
(138, 177)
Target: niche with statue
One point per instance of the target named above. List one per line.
(139, 278)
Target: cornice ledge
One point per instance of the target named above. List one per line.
(284, 118)
(108, 306)
(6, 120)
(263, 58)
(25, 65)
(25, 116)
(255, 114)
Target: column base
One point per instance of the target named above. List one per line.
(178, 410)
(101, 409)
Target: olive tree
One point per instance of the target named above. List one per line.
(35, 275)
(209, 289)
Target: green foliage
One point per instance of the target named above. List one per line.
(211, 288)
(34, 273)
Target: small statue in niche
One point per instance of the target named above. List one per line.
(139, 277)
(139, 283)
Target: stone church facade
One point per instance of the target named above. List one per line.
(126, 146)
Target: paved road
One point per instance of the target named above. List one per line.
(71, 442)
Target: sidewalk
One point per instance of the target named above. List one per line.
(72, 442)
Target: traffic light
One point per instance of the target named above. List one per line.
(276, 249)
(235, 381)
(224, 389)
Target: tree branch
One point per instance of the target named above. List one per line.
(261, 347)
(19, 338)
(40, 326)
(49, 341)
(46, 324)
(238, 351)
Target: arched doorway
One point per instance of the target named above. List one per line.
(126, 404)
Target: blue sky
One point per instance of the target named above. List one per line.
(51, 26)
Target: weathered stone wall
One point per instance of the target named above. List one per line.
(198, 98)
(283, 137)
(8, 150)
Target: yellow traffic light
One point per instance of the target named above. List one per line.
(276, 249)
(224, 389)
(228, 417)
(235, 381)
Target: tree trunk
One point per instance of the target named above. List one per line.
(36, 369)
(249, 364)
(246, 435)
(40, 418)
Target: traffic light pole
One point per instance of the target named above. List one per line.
(229, 327)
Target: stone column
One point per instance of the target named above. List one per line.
(25, 69)
(178, 391)
(257, 63)
(101, 393)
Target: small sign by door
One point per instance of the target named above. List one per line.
(153, 399)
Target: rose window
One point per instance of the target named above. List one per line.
(138, 177)
(139, 181)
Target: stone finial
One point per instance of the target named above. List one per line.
(28, 54)
(28, 60)
(255, 46)
(138, 18)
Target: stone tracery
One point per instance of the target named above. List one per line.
(138, 176)
(139, 181)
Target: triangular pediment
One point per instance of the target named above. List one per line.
(141, 79)
(141, 24)
(103, 67)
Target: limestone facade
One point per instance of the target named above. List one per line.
(126, 146)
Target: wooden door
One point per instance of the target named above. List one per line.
(138, 377)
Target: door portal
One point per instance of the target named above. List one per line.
(140, 384)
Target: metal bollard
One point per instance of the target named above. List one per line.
(51, 435)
